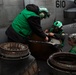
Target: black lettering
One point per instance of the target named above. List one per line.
(57, 4)
(60, 4)
(63, 4)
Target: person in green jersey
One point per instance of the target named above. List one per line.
(26, 23)
(72, 42)
(57, 32)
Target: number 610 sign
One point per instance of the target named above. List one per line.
(60, 3)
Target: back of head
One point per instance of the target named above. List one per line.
(58, 24)
(72, 37)
(33, 8)
(44, 13)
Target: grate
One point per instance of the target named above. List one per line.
(13, 50)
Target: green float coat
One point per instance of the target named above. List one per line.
(20, 24)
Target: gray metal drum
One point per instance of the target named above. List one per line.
(62, 63)
(70, 13)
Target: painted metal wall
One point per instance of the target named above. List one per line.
(48, 4)
(10, 8)
(56, 8)
(60, 11)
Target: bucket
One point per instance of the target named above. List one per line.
(41, 50)
(62, 63)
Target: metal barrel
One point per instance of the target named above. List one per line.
(27, 66)
(15, 59)
(62, 63)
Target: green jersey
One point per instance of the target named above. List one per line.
(73, 50)
(59, 35)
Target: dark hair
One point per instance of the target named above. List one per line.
(33, 8)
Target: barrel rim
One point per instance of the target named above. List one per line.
(56, 64)
(1, 45)
(15, 58)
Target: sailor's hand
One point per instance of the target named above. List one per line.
(51, 34)
(46, 31)
(46, 39)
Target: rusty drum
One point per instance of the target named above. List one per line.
(41, 50)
